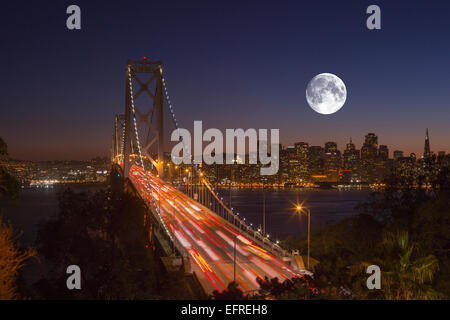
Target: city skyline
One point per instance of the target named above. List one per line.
(340, 146)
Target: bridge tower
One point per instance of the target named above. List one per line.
(148, 117)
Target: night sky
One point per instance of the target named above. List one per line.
(229, 63)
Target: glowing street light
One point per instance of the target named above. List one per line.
(300, 208)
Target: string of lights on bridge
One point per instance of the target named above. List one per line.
(123, 139)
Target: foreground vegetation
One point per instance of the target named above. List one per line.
(106, 234)
(405, 231)
(12, 257)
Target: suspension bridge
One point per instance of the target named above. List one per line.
(195, 228)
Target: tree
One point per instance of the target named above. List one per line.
(231, 293)
(297, 288)
(9, 186)
(425, 215)
(106, 234)
(405, 276)
(12, 259)
(272, 287)
(429, 231)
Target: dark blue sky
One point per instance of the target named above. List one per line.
(229, 63)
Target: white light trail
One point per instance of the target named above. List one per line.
(208, 250)
(182, 239)
(231, 242)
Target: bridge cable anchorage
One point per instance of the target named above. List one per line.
(157, 208)
(208, 185)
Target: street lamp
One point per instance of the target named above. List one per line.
(264, 209)
(299, 208)
(234, 259)
(187, 181)
(170, 172)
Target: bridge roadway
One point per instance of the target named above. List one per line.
(209, 240)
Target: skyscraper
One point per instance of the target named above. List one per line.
(302, 150)
(383, 152)
(316, 162)
(382, 163)
(369, 154)
(293, 163)
(284, 165)
(332, 161)
(351, 163)
(426, 149)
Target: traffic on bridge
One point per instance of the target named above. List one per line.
(218, 253)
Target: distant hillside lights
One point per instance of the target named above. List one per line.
(213, 152)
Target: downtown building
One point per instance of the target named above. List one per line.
(332, 162)
(369, 153)
(351, 164)
(316, 164)
(302, 153)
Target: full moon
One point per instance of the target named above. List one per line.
(326, 93)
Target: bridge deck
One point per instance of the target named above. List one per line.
(209, 241)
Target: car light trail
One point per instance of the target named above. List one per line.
(208, 250)
(231, 243)
(209, 239)
(182, 240)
